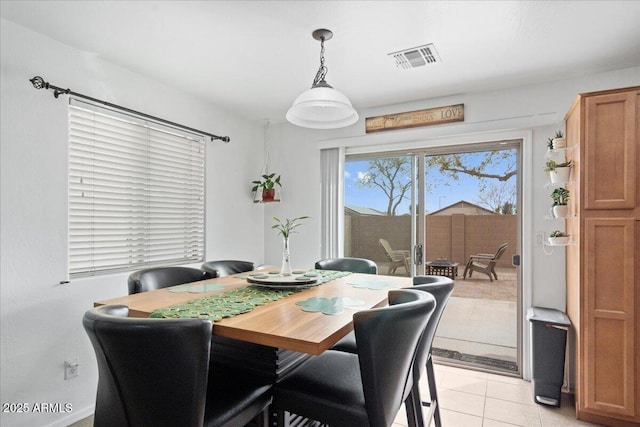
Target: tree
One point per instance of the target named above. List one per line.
(392, 176)
(487, 167)
(500, 198)
(479, 165)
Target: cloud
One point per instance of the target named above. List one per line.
(347, 174)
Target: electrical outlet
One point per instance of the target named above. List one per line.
(71, 368)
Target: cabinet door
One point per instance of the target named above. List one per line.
(610, 151)
(608, 330)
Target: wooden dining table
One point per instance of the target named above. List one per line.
(281, 324)
(272, 339)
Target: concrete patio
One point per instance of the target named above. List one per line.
(479, 325)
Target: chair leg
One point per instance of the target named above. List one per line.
(433, 392)
(262, 420)
(466, 270)
(281, 418)
(414, 412)
(411, 405)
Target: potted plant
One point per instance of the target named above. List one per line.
(558, 238)
(267, 184)
(560, 206)
(559, 141)
(559, 172)
(286, 229)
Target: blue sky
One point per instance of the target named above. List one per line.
(443, 192)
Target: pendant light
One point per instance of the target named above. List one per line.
(322, 106)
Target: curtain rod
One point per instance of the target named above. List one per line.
(39, 83)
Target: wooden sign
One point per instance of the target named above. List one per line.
(411, 119)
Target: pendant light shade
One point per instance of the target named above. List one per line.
(322, 107)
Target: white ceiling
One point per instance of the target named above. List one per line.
(255, 57)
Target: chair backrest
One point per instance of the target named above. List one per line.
(227, 267)
(162, 277)
(500, 251)
(151, 372)
(391, 255)
(441, 288)
(354, 265)
(387, 339)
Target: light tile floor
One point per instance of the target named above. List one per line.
(478, 399)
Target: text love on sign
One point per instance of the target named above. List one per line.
(411, 119)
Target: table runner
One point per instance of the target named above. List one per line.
(234, 302)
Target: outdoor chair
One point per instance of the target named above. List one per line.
(484, 263)
(397, 258)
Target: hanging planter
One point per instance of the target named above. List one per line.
(267, 187)
(560, 208)
(558, 238)
(559, 141)
(559, 173)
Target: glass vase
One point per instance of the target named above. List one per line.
(285, 270)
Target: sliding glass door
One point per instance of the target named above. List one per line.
(430, 212)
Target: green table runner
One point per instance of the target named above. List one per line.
(237, 301)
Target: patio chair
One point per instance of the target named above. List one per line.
(484, 263)
(396, 258)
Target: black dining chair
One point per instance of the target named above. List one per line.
(354, 265)
(441, 288)
(364, 389)
(227, 267)
(156, 372)
(163, 277)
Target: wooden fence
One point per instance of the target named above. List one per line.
(453, 237)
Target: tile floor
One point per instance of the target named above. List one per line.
(477, 399)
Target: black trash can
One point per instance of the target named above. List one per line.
(549, 329)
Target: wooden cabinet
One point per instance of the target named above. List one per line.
(603, 268)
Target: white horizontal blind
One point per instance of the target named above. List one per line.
(136, 193)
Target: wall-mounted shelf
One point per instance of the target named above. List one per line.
(267, 201)
(550, 153)
(551, 218)
(546, 244)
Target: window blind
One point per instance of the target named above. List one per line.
(136, 193)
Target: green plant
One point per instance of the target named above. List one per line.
(267, 182)
(559, 134)
(553, 165)
(558, 233)
(560, 196)
(550, 143)
(287, 227)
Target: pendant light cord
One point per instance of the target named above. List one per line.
(323, 70)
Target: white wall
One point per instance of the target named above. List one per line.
(41, 319)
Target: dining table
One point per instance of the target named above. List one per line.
(284, 323)
(265, 323)
(303, 319)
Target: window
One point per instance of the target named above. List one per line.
(136, 192)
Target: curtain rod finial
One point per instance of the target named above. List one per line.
(38, 82)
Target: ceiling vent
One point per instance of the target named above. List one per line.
(416, 56)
